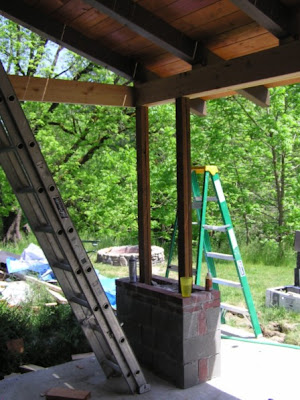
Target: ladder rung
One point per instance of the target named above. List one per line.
(25, 190)
(197, 203)
(7, 149)
(44, 228)
(234, 309)
(226, 282)
(80, 301)
(221, 228)
(64, 266)
(220, 256)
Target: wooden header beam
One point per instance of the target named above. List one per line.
(263, 68)
(74, 92)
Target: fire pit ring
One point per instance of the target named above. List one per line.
(120, 255)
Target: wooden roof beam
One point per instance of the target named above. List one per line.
(73, 40)
(148, 25)
(270, 14)
(71, 92)
(263, 68)
(259, 95)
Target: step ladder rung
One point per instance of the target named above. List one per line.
(216, 228)
(234, 309)
(226, 282)
(197, 203)
(220, 256)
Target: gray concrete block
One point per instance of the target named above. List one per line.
(190, 375)
(213, 319)
(169, 345)
(190, 324)
(168, 369)
(201, 347)
(214, 366)
(167, 321)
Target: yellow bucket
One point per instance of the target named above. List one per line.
(186, 284)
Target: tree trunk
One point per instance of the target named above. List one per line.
(13, 234)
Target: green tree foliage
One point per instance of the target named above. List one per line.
(92, 153)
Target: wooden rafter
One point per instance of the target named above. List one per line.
(62, 91)
(277, 64)
(148, 25)
(73, 40)
(271, 14)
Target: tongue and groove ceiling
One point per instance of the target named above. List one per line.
(146, 40)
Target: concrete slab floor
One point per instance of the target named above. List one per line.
(249, 372)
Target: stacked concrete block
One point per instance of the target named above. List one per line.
(177, 338)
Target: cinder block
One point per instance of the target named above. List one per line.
(169, 345)
(213, 318)
(191, 324)
(214, 366)
(166, 368)
(201, 347)
(190, 375)
(167, 321)
(67, 394)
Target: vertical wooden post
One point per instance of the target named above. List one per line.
(143, 176)
(184, 187)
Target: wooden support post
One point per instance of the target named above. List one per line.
(184, 187)
(143, 176)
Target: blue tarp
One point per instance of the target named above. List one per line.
(33, 260)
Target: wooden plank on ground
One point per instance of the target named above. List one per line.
(58, 297)
(47, 284)
(60, 393)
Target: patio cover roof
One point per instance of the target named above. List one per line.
(201, 49)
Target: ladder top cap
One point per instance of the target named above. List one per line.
(213, 169)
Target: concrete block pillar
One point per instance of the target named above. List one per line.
(177, 338)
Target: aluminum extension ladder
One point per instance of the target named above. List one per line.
(29, 176)
(200, 201)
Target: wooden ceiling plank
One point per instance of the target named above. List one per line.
(271, 14)
(181, 8)
(70, 11)
(71, 92)
(203, 16)
(258, 69)
(220, 26)
(151, 27)
(247, 46)
(72, 40)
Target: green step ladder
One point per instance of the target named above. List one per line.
(200, 201)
